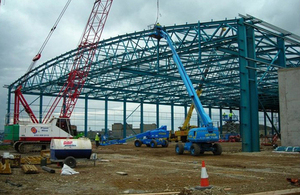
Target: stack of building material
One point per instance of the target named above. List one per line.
(5, 169)
(14, 160)
(33, 160)
(29, 169)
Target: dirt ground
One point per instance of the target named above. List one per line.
(157, 170)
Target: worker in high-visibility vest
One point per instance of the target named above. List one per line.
(230, 116)
(224, 115)
(97, 139)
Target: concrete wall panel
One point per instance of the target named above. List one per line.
(289, 100)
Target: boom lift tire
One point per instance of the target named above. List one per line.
(165, 144)
(137, 143)
(179, 148)
(195, 150)
(153, 144)
(70, 161)
(217, 149)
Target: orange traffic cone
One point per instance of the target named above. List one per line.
(204, 184)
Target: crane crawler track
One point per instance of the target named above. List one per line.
(31, 146)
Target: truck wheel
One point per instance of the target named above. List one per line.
(137, 143)
(165, 143)
(179, 149)
(195, 150)
(153, 144)
(217, 149)
(70, 161)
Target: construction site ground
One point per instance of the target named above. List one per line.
(126, 169)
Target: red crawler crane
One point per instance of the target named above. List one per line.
(79, 72)
(78, 75)
(70, 90)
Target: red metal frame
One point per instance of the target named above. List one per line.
(20, 98)
(84, 58)
(41, 139)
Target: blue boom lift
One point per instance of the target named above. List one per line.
(151, 138)
(200, 139)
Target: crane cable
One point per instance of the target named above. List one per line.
(157, 12)
(38, 55)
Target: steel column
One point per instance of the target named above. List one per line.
(279, 125)
(8, 106)
(41, 108)
(221, 121)
(124, 119)
(248, 88)
(281, 57)
(185, 110)
(172, 116)
(157, 114)
(142, 116)
(272, 121)
(86, 115)
(106, 116)
(265, 123)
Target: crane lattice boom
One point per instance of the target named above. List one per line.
(84, 58)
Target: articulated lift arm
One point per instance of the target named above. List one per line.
(160, 33)
(186, 123)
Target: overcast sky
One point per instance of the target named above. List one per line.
(24, 25)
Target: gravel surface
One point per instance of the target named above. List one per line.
(158, 170)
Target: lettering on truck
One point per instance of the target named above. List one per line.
(45, 129)
(211, 134)
(69, 143)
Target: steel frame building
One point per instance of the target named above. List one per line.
(235, 61)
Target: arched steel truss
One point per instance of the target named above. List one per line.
(129, 66)
(137, 68)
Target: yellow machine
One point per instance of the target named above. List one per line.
(181, 135)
